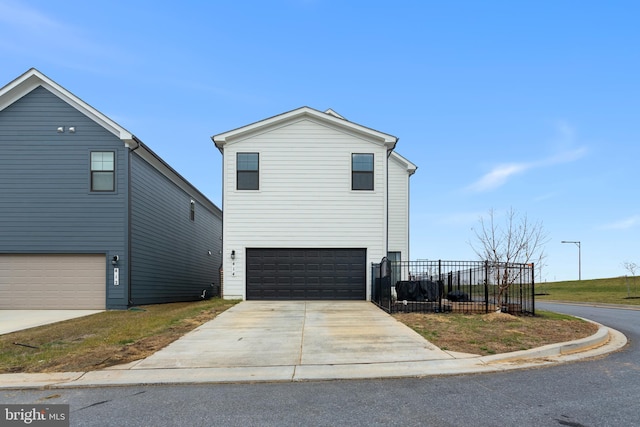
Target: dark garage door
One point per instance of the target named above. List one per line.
(306, 274)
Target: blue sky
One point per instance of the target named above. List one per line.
(530, 104)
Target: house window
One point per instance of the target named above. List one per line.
(247, 171)
(362, 171)
(103, 167)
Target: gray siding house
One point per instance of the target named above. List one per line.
(90, 217)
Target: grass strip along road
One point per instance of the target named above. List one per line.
(116, 337)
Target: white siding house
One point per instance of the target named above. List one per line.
(305, 197)
(400, 169)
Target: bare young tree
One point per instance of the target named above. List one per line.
(632, 268)
(515, 240)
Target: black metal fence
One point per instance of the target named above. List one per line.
(453, 286)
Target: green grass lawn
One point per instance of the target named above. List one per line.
(496, 333)
(615, 290)
(104, 339)
(116, 337)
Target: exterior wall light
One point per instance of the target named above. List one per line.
(233, 254)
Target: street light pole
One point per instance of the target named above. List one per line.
(577, 243)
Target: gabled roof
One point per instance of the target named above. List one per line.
(33, 78)
(410, 167)
(329, 117)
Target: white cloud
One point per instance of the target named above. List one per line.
(31, 33)
(501, 174)
(461, 218)
(566, 133)
(20, 16)
(28, 25)
(546, 196)
(564, 157)
(498, 176)
(623, 224)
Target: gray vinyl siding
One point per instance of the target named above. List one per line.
(45, 201)
(170, 260)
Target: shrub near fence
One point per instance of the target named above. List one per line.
(453, 286)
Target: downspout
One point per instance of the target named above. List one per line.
(389, 150)
(409, 213)
(409, 218)
(131, 150)
(386, 249)
(221, 273)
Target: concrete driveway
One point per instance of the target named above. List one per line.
(296, 333)
(17, 320)
(306, 341)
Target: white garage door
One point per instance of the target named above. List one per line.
(52, 281)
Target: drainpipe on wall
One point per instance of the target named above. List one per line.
(131, 150)
(386, 240)
(222, 235)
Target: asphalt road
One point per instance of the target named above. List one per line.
(599, 392)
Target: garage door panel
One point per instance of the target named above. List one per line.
(306, 274)
(52, 281)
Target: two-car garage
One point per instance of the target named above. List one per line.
(52, 281)
(306, 274)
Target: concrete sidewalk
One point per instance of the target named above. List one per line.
(306, 340)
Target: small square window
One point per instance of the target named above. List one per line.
(247, 171)
(362, 171)
(103, 166)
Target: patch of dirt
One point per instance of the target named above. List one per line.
(499, 317)
(418, 318)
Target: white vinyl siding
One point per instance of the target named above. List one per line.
(398, 208)
(305, 198)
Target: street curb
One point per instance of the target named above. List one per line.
(593, 304)
(600, 338)
(604, 341)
